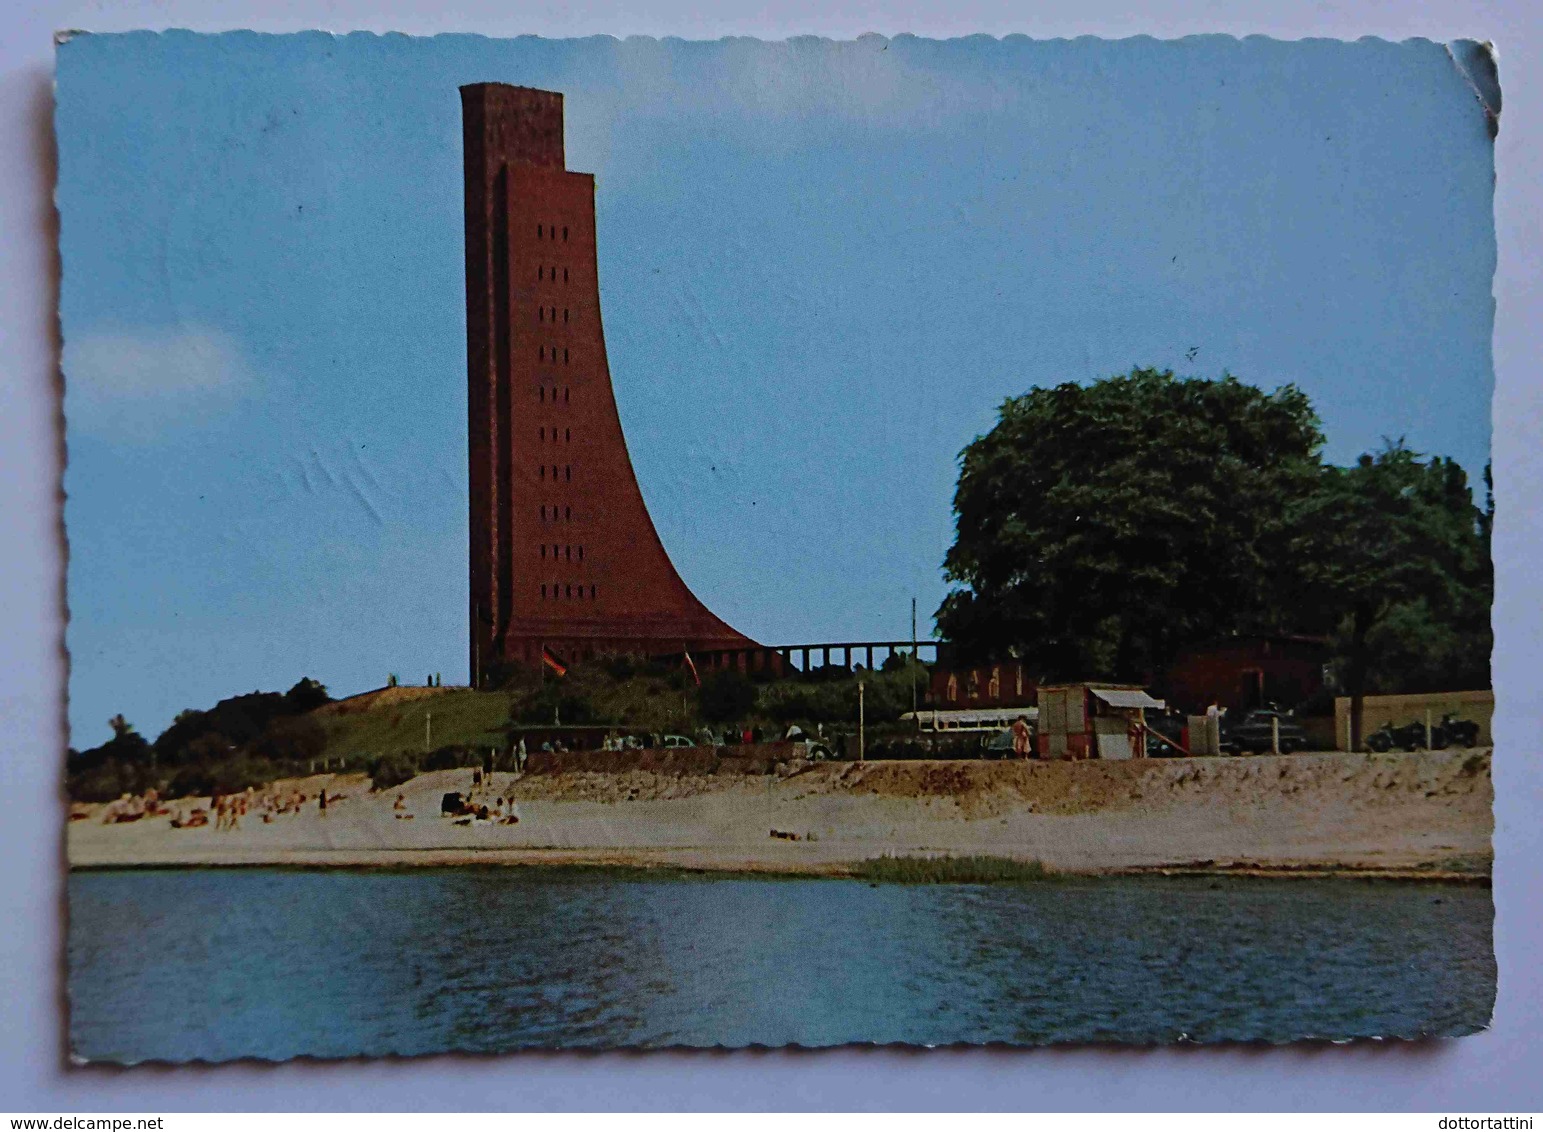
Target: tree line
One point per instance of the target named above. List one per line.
(242, 741)
(1101, 527)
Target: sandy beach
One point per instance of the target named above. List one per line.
(1424, 814)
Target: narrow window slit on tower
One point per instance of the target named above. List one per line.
(541, 393)
(541, 352)
(567, 512)
(541, 314)
(565, 314)
(565, 274)
(591, 591)
(543, 590)
(543, 471)
(541, 433)
(567, 472)
(538, 231)
(543, 550)
(565, 231)
(567, 435)
(565, 355)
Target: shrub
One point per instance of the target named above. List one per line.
(725, 696)
(230, 776)
(306, 695)
(392, 770)
(108, 780)
(553, 703)
(291, 739)
(451, 757)
(619, 667)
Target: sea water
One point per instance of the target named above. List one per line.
(218, 964)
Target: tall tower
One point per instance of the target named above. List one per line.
(564, 556)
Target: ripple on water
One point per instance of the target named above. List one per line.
(210, 964)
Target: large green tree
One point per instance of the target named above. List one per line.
(1393, 558)
(1100, 526)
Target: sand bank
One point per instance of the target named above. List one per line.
(1421, 814)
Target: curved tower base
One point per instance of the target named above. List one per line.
(564, 557)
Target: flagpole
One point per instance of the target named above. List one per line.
(915, 719)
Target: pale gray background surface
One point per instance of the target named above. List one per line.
(1491, 1072)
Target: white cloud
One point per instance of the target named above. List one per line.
(135, 385)
(897, 84)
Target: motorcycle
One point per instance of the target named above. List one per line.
(1449, 732)
(1409, 737)
(1452, 732)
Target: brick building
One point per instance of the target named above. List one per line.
(563, 554)
(1005, 684)
(1244, 672)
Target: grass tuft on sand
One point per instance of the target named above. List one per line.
(951, 870)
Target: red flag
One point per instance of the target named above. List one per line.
(553, 663)
(691, 665)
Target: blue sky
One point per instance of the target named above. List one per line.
(823, 266)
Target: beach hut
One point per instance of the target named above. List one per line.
(1093, 721)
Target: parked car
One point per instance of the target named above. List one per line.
(1169, 726)
(1254, 733)
(998, 746)
(674, 741)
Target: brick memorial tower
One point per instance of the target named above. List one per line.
(564, 557)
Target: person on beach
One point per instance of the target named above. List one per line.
(323, 806)
(1021, 737)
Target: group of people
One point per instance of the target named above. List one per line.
(227, 810)
(132, 807)
(480, 803)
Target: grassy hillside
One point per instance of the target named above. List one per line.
(460, 717)
(390, 721)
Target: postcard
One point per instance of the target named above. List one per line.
(637, 543)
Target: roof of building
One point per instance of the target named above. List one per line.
(1126, 698)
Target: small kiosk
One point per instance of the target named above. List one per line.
(1093, 721)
